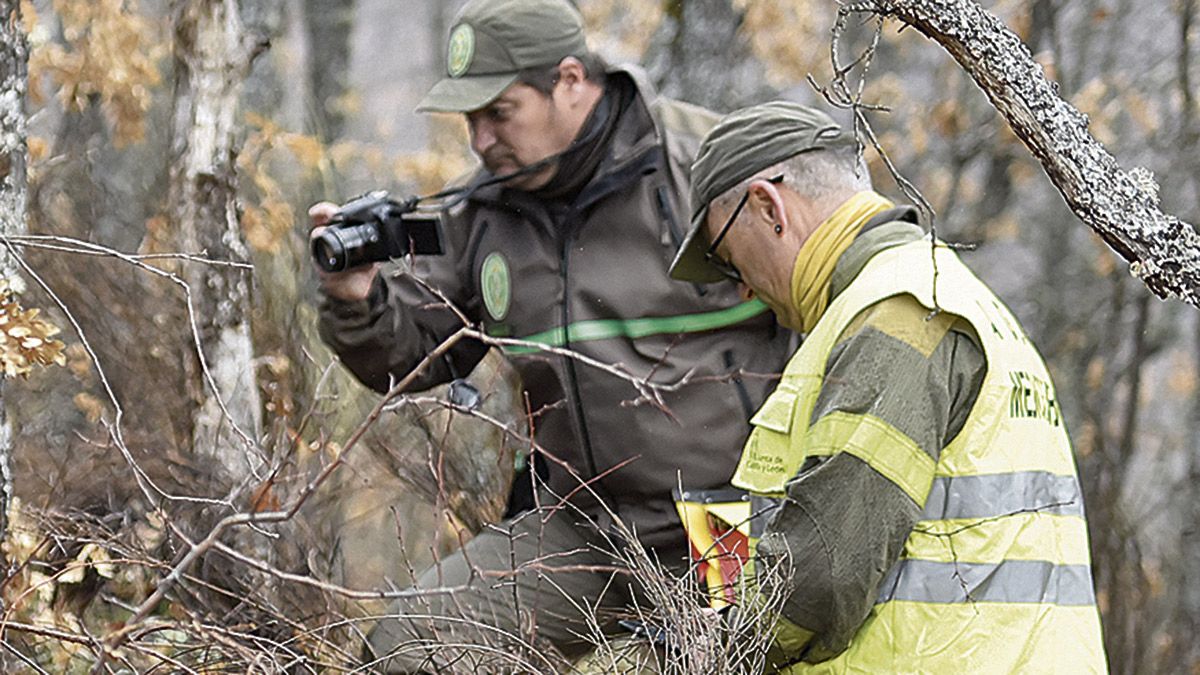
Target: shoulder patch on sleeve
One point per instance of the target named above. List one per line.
(903, 317)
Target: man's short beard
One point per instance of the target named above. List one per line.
(492, 160)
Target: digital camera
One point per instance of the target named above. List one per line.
(375, 228)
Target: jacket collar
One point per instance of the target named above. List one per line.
(887, 229)
(638, 134)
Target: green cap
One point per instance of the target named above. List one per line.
(493, 40)
(739, 146)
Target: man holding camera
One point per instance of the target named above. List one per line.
(562, 238)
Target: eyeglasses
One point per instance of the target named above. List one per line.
(710, 256)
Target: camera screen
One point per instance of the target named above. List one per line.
(424, 232)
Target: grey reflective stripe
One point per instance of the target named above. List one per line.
(1019, 581)
(713, 496)
(1003, 494)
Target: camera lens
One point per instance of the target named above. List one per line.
(339, 248)
(329, 252)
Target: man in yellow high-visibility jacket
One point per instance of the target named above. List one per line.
(922, 511)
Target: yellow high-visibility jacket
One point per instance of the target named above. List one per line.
(996, 575)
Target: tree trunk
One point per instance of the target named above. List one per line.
(14, 56)
(700, 55)
(1188, 621)
(328, 25)
(1122, 207)
(211, 61)
(1190, 537)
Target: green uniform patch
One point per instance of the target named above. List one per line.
(495, 285)
(462, 50)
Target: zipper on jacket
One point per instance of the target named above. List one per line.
(668, 215)
(664, 212)
(568, 238)
(643, 165)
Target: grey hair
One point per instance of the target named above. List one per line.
(831, 175)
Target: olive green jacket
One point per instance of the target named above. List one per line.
(591, 276)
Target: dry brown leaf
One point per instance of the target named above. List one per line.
(26, 340)
(1183, 378)
(39, 148)
(1095, 374)
(308, 150)
(79, 362)
(91, 406)
(111, 54)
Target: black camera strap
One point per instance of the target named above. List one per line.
(463, 193)
(593, 128)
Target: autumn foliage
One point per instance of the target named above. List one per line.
(112, 498)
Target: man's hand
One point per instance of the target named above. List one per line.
(351, 285)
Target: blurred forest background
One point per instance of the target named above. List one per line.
(173, 148)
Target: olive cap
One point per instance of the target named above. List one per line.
(739, 146)
(492, 41)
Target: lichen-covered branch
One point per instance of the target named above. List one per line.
(1121, 206)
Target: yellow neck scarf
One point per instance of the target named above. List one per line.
(819, 255)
